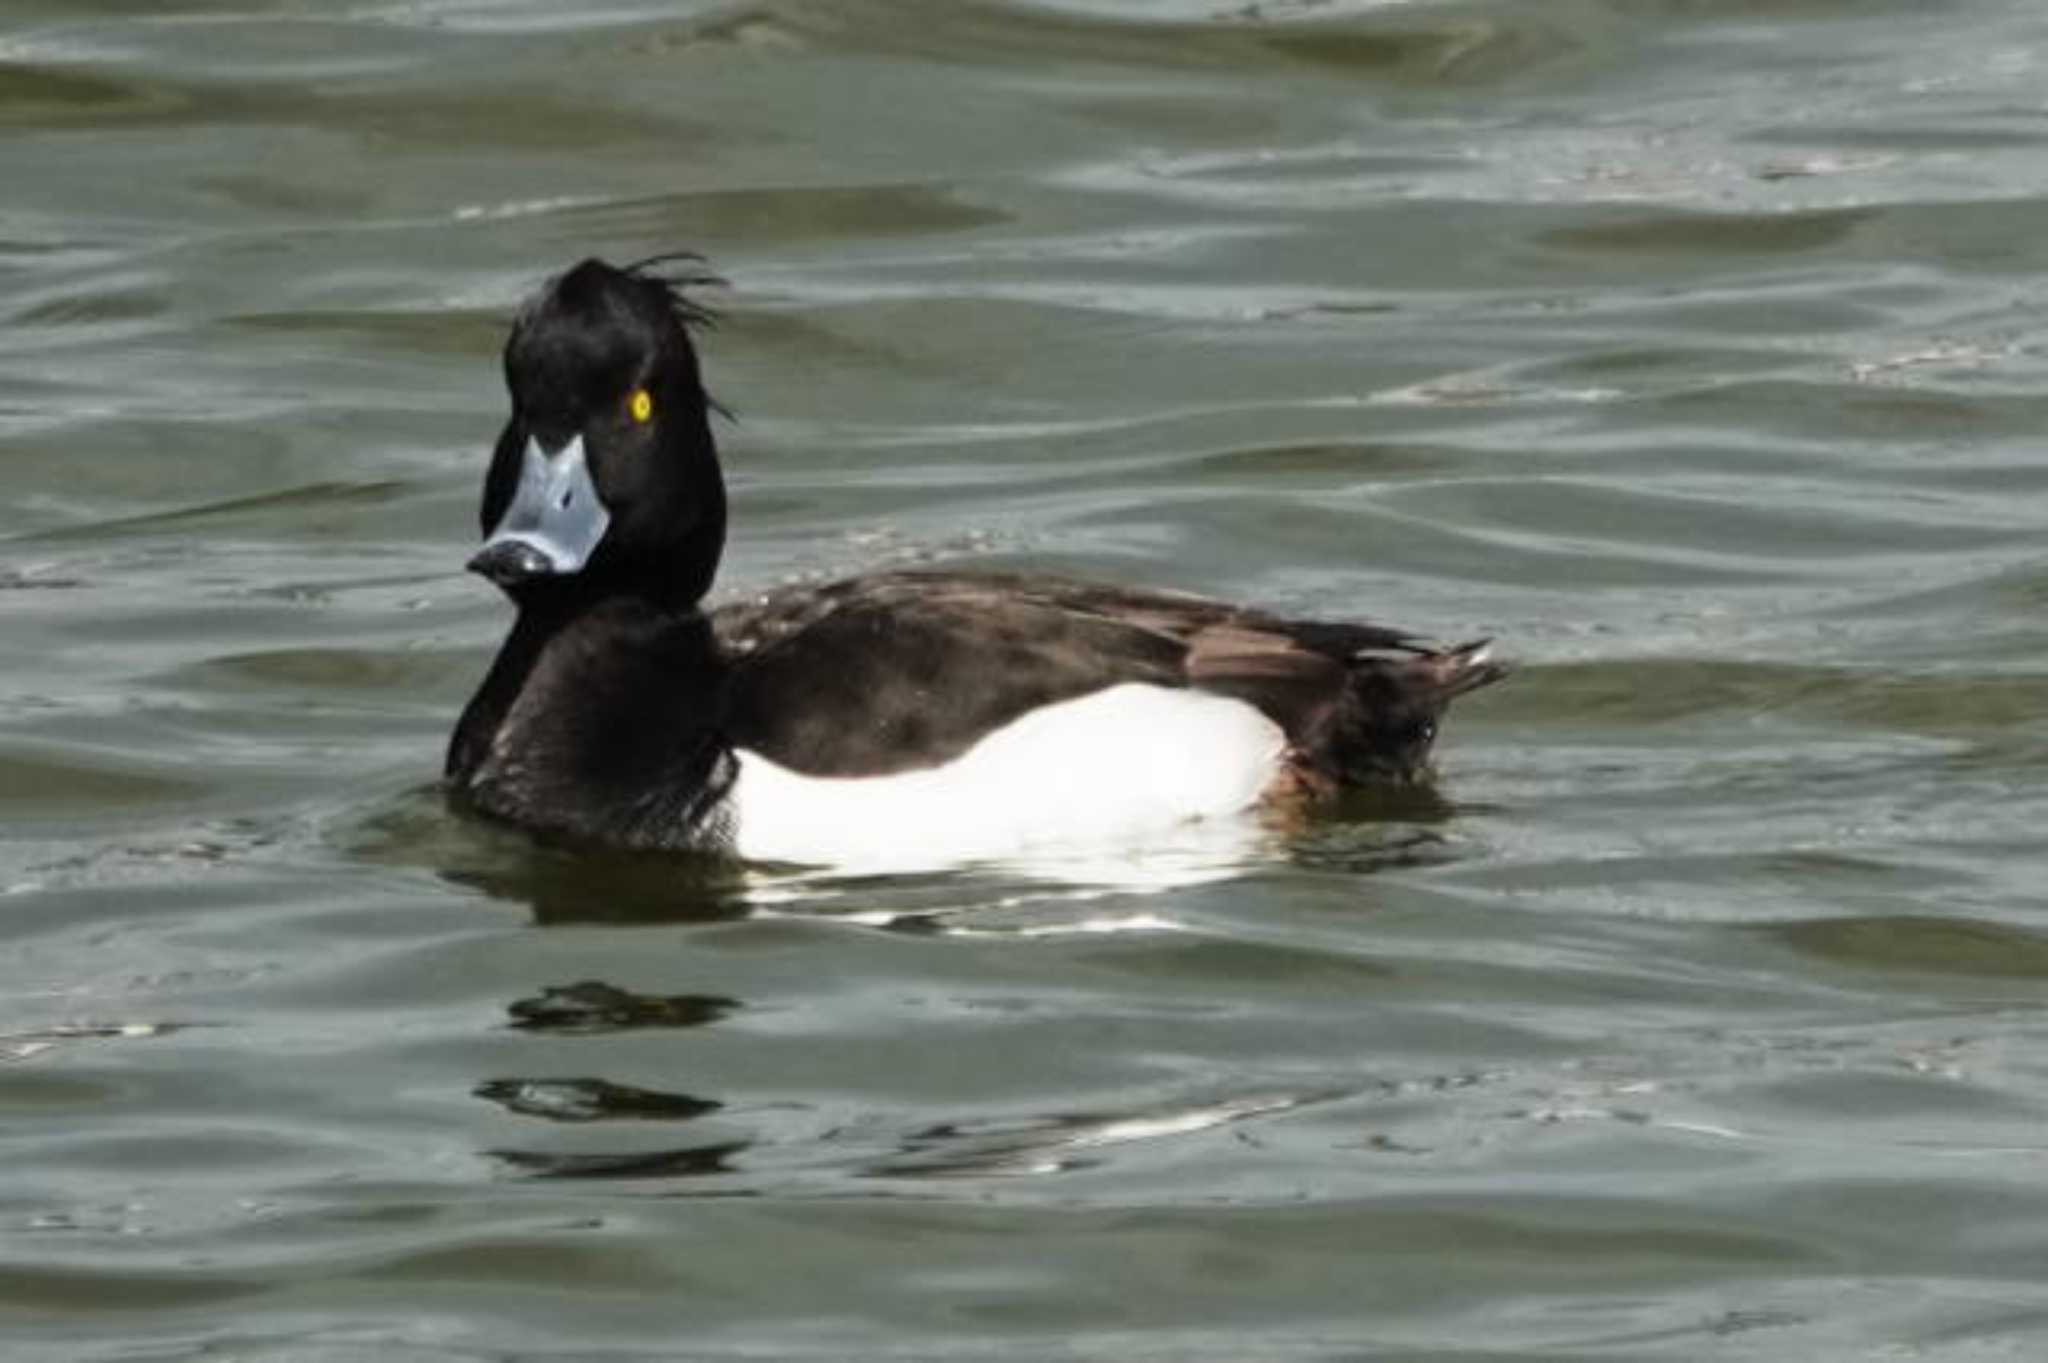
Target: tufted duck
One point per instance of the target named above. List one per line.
(892, 718)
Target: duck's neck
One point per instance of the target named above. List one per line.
(599, 718)
(681, 561)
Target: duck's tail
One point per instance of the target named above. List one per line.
(1449, 673)
(1387, 722)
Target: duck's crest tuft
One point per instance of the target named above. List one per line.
(675, 272)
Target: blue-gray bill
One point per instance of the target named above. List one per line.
(554, 523)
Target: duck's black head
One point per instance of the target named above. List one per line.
(604, 481)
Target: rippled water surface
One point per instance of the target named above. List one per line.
(1694, 348)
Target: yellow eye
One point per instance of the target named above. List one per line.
(640, 405)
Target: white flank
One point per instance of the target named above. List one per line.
(1114, 766)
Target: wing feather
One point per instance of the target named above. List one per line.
(897, 671)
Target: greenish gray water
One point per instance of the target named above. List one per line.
(1694, 349)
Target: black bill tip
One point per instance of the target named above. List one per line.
(511, 562)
